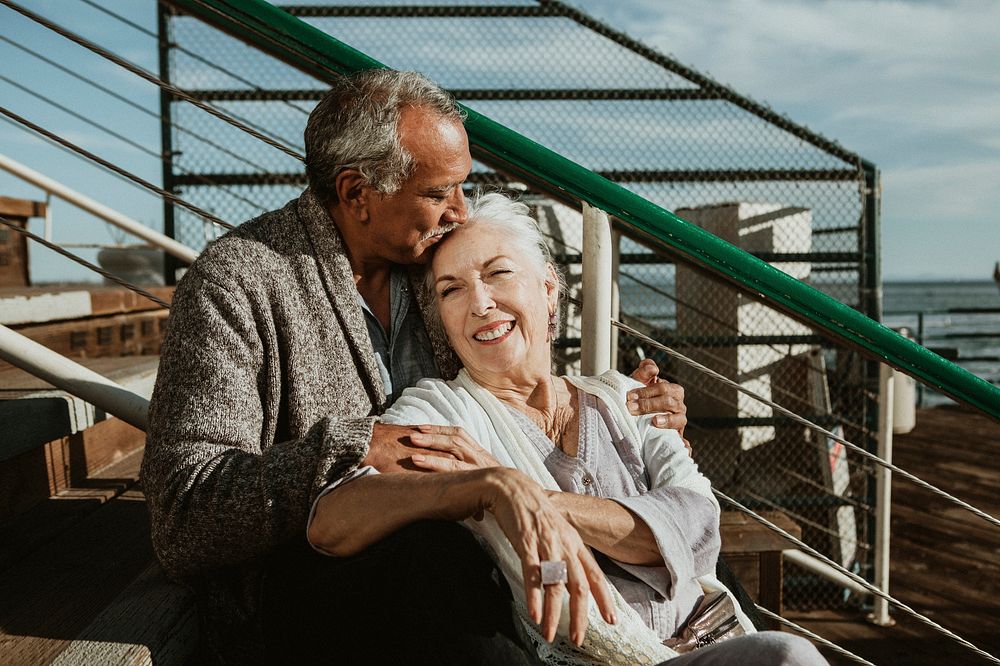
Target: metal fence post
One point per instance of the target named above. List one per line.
(883, 495)
(616, 242)
(595, 333)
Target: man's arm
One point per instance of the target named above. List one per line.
(219, 491)
(660, 398)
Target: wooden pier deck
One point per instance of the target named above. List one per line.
(945, 561)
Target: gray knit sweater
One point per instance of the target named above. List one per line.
(267, 391)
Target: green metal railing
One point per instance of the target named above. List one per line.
(308, 49)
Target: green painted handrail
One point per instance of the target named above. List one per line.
(309, 49)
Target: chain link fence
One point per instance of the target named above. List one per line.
(721, 161)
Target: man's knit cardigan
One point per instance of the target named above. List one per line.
(266, 392)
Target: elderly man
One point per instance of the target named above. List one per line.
(288, 337)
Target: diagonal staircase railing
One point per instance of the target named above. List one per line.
(311, 50)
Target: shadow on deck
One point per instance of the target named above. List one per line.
(945, 561)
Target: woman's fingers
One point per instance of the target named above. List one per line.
(579, 593)
(439, 464)
(454, 441)
(553, 609)
(599, 587)
(531, 572)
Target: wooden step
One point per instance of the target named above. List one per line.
(79, 583)
(52, 440)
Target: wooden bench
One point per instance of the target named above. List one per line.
(753, 552)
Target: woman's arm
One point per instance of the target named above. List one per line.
(365, 510)
(609, 527)
(361, 512)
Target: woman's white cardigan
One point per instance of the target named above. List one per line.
(463, 402)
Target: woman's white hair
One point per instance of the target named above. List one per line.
(497, 211)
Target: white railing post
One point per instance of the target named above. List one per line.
(47, 234)
(162, 241)
(883, 496)
(595, 344)
(73, 378)
(616, 243)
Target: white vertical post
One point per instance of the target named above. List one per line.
(883, 496)
(47, 234)
(595, 344)
(616, 243)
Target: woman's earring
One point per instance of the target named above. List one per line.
(553, 326)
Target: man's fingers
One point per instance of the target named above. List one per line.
(674, 421)
(647, 372)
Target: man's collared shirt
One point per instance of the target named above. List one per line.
(404, 355)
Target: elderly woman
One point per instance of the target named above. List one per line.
(570, 491)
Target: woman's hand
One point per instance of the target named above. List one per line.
(538, 532)
(464, 453)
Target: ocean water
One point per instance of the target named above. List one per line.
(973, 339)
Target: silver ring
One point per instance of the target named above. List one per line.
(554, 572)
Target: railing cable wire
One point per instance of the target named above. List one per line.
(809, 424)
(191, 54)
(138, 107)
(230, 118)
(173, 198)
(121, 137)
(814, 636)
(856, 578)
(83, 262)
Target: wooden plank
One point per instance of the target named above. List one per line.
(944, 559)
(153, 621)
(32, 412)
(11, 207)
(130, 334)
(22, 305)
(31, 530)
(55, 592)
(14, 254)
(742, 534)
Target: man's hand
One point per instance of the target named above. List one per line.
(390, 449)
(659, 397)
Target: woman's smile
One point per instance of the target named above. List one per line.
(494, 332)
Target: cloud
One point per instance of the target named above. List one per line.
(914, 86)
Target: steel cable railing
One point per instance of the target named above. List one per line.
(857, 579)
(812, 635)
(83, 262)
(128, 175)
(188, 52)
(812, 426)
(258, 133)
(138, 107)
(128, 141)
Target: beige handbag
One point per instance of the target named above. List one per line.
(713, 621)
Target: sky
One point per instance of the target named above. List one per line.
(912, 86)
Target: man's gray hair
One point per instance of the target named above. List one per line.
(356, 126)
